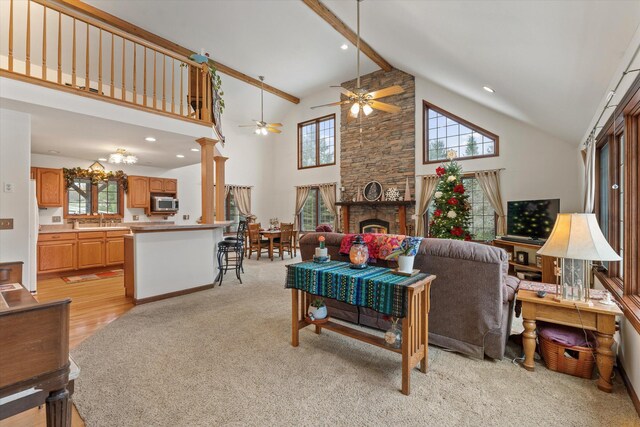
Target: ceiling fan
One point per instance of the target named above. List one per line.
(360, 98)
(262, 127)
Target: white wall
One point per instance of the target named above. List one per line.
(15, 144)
(537, 165)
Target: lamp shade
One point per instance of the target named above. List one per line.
(578, 236)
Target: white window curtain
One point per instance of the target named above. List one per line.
(301, 197)
(589, 156)
(429, 184)
(490, 183)
(242, 196)
(328, 194)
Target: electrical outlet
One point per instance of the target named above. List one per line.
(8, 187)
(6, 223)
(56, 218)
(136, 217)
(185, 217)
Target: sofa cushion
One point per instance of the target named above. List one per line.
(510, 287)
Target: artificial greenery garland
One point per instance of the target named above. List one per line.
(96, 176)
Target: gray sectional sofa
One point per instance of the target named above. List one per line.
(472, 298)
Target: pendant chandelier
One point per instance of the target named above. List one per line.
(122, 156)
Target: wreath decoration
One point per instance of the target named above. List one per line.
(96, 176)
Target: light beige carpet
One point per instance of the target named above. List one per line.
(222, 357)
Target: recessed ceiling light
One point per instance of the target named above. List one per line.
(180, 156)
(344, 46)
(195, 149)
(54, 152)
(488, 89)
(150, 139)
(102, 159)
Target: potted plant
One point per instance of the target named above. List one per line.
(317, 309)
(406, 253)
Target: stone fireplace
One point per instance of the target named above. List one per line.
(384, 151)
(374, 225)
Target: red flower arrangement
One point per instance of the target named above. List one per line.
(457, 231)
(467, 237)
(459, 189)
(440, 171)
(437, 213)
(453, 201)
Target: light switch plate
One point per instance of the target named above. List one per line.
(185, 217)
(8, 187)
(56, 218)
(136, 217)
(6, 223)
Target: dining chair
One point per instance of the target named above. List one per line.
(286, 240)
(256, 242)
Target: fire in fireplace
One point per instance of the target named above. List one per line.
(374, 225)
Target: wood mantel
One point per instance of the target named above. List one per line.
(401, 204)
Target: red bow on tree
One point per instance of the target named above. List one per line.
(456, 231)
(467, 237)
(452, 201)
(437, 213)
(440, 171)
(459, 189)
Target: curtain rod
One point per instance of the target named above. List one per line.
(316, 185)
(237, 186)
(465, 172)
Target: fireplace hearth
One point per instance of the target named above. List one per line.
(374, 225)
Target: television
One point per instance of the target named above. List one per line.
(532, 219)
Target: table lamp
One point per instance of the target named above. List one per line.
(576, 239)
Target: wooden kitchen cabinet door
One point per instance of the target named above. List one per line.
(49, 187)
(171, 186)
(156, 185)
(115, 251)
(56, 256)
(138, 193)
(90, 253)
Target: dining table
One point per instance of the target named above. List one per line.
(276, 234)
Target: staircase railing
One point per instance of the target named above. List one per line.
(47, 44)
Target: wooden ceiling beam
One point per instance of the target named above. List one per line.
(130, 28)
(325, 13)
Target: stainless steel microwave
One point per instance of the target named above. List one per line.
(164, 204)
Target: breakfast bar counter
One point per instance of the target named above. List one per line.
(163, 261)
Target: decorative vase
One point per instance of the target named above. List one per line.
(359, 253)
(405, 263)
(393, 336)
(318, 313)
(407, 191)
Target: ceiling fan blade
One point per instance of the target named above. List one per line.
(274, 130)
(384, 107)
(274, 124)
(246, 126)
(331, 105)
(351, 118)
(388, 91)
(346, 92)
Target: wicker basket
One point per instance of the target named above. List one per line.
(554, 358)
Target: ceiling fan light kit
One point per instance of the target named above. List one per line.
(262, 127)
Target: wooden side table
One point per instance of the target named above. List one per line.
(599, 318)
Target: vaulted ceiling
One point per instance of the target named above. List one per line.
(549, 62)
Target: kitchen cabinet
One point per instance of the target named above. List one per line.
(138, 195)
(56, 256)
(115, 251)
(90, 253)
(163, 185)
(49, 187)
(170, 185)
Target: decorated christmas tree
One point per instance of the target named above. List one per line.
(451, 217)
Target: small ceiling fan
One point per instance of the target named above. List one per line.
(360, 98)
(262, 127)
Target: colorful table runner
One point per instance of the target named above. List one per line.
(373, 287)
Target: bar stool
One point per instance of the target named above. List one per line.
(235, 247)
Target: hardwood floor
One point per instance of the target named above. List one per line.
(94, 304)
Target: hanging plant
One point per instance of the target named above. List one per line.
(216, 81)
(96, 176)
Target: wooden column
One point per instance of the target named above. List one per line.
(220, 213)
(402, 215)
(206, 166)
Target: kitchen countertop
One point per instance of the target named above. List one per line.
(186, 227)
(81, 230)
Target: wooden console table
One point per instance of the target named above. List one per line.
(415, 327)
(599, 318)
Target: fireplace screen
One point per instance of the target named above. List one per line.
(374, 225)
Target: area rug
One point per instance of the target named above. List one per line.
(222, 357)
(96, 276)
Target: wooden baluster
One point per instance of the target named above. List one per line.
(112, 61)
(144, 79)
(100, 61)
(44, 43)
(87, 82)
(123, 96)
(28, 40)
(197, 93)
(164, 82)
(59, 48)
(135, 97)
(181, 81)
(155, 85)
(203, 107)
(190, 83)
(73, 56)
(11, 35)
(173, 69)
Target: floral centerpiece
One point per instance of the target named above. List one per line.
(405, 254)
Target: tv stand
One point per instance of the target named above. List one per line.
(511, 246)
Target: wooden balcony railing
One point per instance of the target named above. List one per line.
(44, 43)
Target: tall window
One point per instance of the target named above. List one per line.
(314, 212)
(483, 217)
(84, 198)
(232, 213)
(317, 142)
(444, 131)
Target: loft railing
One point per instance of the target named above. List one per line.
(45, 43)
